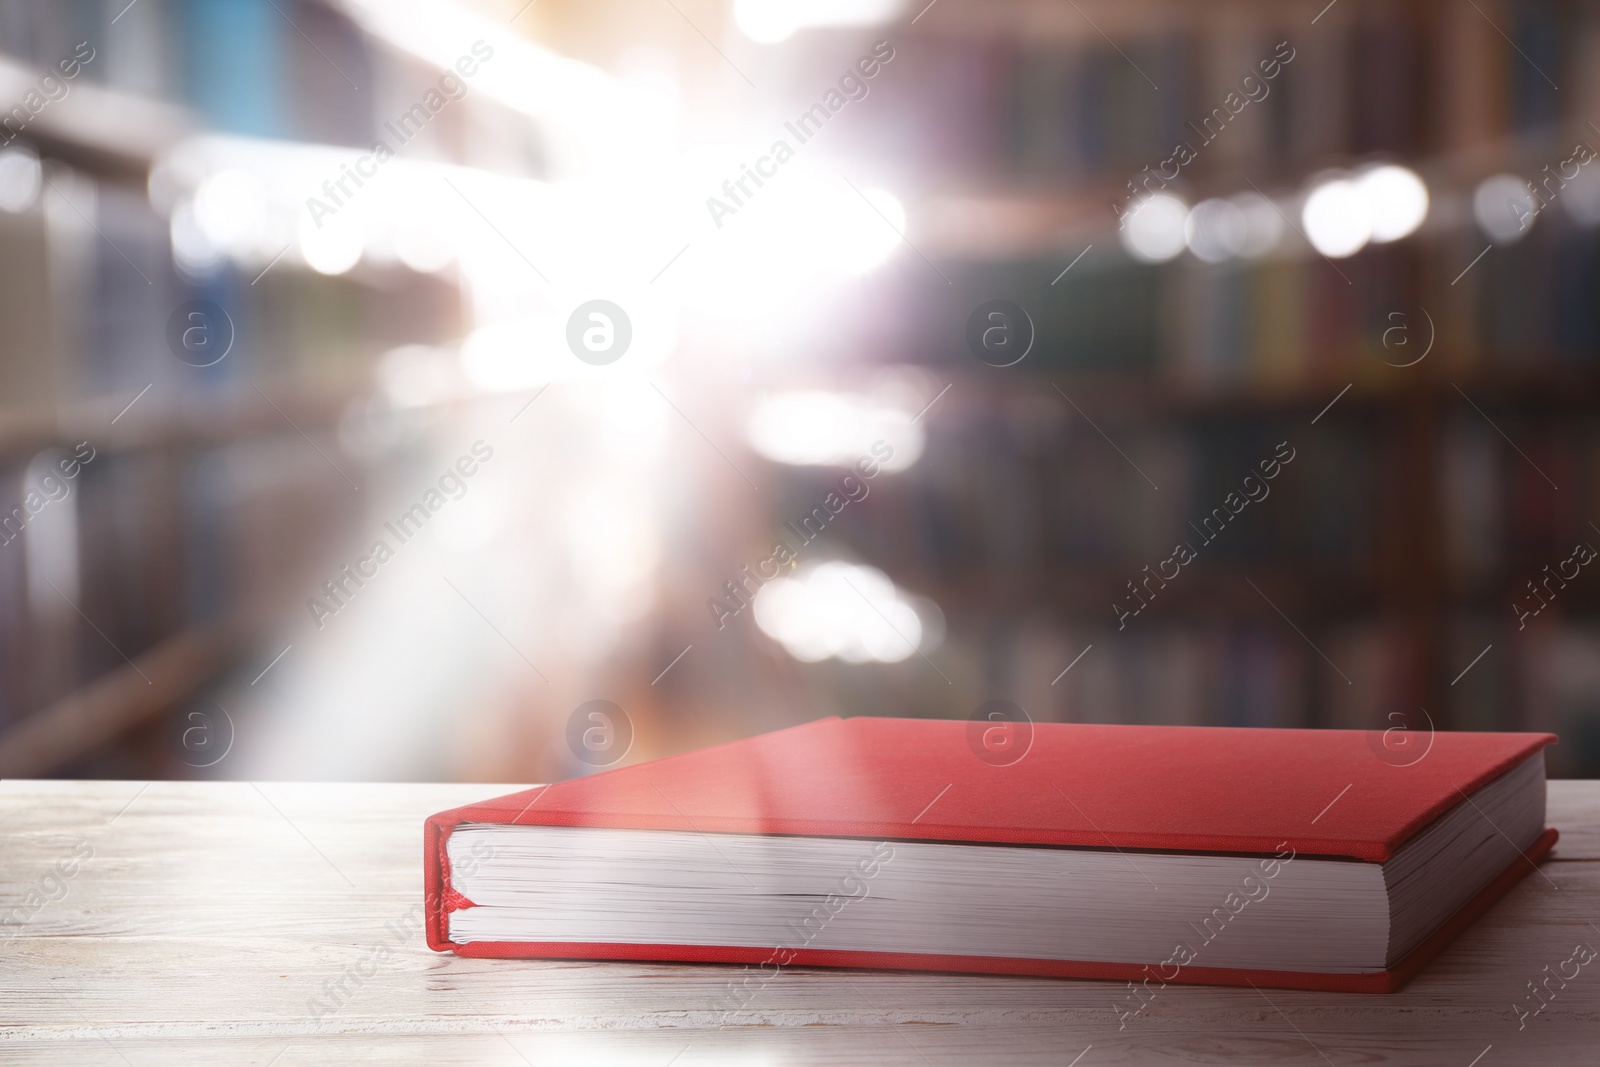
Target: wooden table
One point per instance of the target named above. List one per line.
(198, 923)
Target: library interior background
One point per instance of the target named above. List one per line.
(384, 382)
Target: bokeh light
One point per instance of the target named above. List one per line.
(1153, 230)
(841, 610)
(1505, 208)
(1337, 218)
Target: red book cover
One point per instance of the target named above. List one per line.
(1327, 793)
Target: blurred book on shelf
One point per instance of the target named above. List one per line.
(202, 398)
(1354, 248)
(1422, 500)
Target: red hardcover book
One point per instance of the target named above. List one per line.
(1312, 859)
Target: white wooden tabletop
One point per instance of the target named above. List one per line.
(205, 923)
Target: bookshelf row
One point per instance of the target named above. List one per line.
(295, 71)
(199, 496)
(1028, 502)
(1026, 94)
(1515, 319)
(1365, 670)
(1358, 674)
(138, 548)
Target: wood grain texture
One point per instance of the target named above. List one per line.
(208, 922)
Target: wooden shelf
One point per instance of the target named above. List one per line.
(104, 131)
(1161, 393)
(224, 421)
(1005, 216)
(1087, 590)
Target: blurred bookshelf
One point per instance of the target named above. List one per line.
(209, 498)
(1380, 575)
